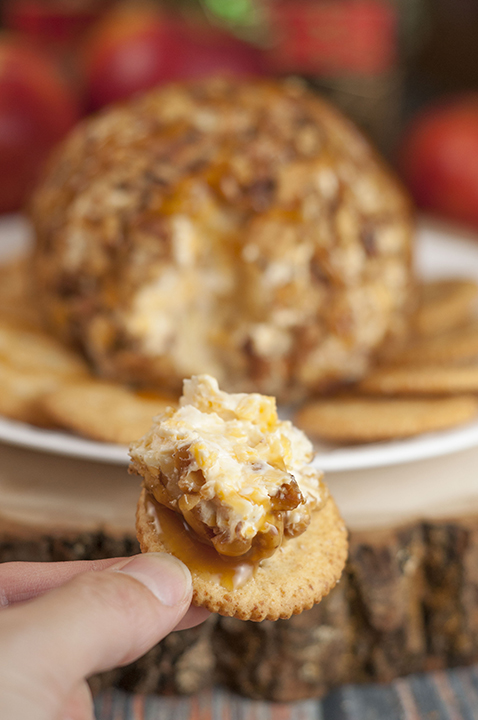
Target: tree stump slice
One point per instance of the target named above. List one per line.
(407, 602)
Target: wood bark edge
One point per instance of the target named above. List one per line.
(408, 602)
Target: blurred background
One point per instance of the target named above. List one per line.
(406, 71)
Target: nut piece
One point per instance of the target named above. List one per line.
(237, 474)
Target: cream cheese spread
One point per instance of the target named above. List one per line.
(240, 476)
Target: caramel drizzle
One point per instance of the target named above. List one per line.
(177, 536)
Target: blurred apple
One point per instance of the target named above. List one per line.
(438, 157)
(55, 26)
(126, 52)
(202, 51)
(51, 21)
(37, 108)
(134, 48)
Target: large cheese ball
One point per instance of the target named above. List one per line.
(240, 229)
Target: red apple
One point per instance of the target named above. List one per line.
(125, 53)
(55, 26)
(134, 48)
(36, 109)
(201, 51)
(438, 157)
(48, 22)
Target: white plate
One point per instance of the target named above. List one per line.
(440, 253)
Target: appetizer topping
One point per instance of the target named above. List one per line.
(238, 475)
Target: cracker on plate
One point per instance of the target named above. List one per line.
(455, 346)
(16, 303)
(33, 351)
(360, 420)
(31, 365)
(103, 411)
(421, 380)
(444, 305)
(21, 392)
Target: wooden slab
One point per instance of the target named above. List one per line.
(49, 493)
(41, 490)
(407, 601)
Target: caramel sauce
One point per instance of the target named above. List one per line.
(202, 559)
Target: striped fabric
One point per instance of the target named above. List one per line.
(450, 695)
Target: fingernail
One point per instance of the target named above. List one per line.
(166, 576)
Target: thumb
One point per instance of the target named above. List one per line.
(94, 622)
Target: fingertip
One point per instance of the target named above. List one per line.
(164, 575)
(194, 616)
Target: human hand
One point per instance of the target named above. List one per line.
(82, 618)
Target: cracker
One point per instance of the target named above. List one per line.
(32, 364)
(359, 420)
(34, 351)
(16, 303)
(21, 392)
(455, 346)
(421, 380)
(296, 577)
(444, 305)
(104, 411)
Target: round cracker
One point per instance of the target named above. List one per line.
(35, 351)
(104, 411)
(421, 380)
(455, 346)
(16, 302)
(444, 305)
(21, 392)
(296, 577)
(374, 419)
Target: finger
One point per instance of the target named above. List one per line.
(79, 705)
(94, 622)
(21, 581)
(194, 616)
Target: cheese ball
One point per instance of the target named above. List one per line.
(241, 229)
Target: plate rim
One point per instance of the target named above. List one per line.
(60, 442)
